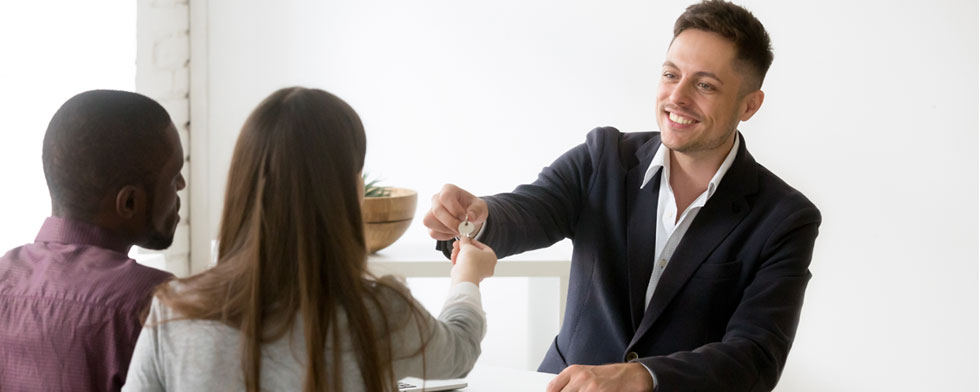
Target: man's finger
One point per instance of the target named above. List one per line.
(440, 236)
(447, 219)
(477, 212)
(559, 382)
(437, 230)
(453, 202)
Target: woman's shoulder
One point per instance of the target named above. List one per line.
(160, 309)
(171, 323)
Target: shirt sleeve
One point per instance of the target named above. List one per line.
(464, 307)
(479, 234)
(452, 341)
(652, 375)
(143, 372)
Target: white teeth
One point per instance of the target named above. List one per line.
(680, 120)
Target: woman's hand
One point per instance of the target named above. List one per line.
(472, 261)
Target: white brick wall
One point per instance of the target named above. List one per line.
(162, 73)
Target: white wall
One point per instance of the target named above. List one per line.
(50, 57)
(46, 59)
(871, 110)
(163, 73)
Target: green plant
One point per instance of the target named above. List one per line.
(372, 189)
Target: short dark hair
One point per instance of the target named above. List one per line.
(98, 142)
(752, 45)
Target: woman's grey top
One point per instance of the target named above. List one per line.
(199, 355)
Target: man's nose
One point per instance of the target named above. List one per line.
(681, 94)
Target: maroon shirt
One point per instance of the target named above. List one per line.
(70, 306)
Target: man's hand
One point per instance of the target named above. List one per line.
(616, 377)
(450, 207)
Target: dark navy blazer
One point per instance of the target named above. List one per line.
(725, 311)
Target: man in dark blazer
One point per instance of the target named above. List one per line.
(690, 259)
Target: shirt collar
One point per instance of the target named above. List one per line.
(660, 158)
(70, 231)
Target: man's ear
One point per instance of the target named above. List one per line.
(751, 104)
(130, 201)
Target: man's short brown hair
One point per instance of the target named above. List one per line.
(752, 46)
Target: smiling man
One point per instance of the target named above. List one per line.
(690, 259)
(72, 303)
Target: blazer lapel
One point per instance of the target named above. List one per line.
(716, 220)
(641, 230)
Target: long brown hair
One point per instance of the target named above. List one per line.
(292, 243)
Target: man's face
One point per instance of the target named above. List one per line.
(162, 217)
(701, 97)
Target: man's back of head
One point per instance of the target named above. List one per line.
(105, 152)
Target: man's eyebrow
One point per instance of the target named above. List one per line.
(697, 74)
(710, 75)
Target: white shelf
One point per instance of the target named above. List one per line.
(420, 259)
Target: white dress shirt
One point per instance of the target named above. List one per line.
(670, 230)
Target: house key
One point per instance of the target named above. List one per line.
(466, 228)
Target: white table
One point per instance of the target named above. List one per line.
(487, 379)
(419, 259)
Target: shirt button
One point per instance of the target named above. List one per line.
(631, 356)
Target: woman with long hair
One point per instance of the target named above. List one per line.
(290, 304)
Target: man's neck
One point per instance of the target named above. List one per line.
(690, 173)
(66, 229)
(110, 227)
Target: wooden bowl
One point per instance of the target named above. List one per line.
(387, 218)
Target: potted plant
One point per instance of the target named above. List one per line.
(387, 213)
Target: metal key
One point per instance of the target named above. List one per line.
(466, 228)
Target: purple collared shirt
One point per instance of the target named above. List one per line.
(70, 307)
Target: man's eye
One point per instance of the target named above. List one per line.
(705, 86)
(668, 75)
